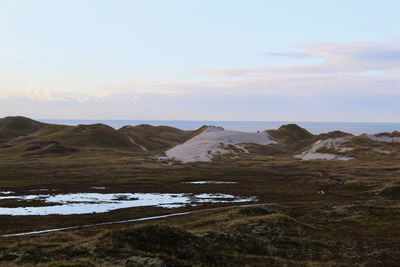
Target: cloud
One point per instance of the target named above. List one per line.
(34, 91)
(291, 54)
(353, 57)
(363, 68)
(276, 84)
(378, 27)
(11, 56)
(135, 98)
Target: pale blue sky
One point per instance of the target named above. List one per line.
(201, 60)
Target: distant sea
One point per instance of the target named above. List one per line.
(355, 128)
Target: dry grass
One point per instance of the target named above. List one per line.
(354, 222)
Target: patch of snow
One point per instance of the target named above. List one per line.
(214, 140)
(384, 138)
(84, 203)
(335, 143)
(99, 187)
(133, 142)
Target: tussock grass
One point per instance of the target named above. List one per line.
(355, 222)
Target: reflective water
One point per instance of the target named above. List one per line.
(84, 203)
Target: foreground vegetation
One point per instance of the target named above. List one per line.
(308, 213)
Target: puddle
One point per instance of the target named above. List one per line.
(209, 182)
(85, 203)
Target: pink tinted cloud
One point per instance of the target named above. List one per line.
(337, 58)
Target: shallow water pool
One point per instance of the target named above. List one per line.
(85, 203)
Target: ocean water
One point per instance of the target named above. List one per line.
(355, 128)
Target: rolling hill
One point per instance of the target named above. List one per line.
(12, 127)
(26, 137)
(150, 137)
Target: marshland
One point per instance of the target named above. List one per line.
(254, 204)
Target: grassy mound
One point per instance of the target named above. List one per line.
(177, 247)
(291, 137)
(94, 135)
(155, 137)
(46, 147)
(392, 134)
(290, 133)
(12, 127)
(333, 134)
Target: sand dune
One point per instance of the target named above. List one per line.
(384, 138)
(214, 140)
(334, 143)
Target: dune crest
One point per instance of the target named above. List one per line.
(214, 140)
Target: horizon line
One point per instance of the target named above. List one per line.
(204, 120)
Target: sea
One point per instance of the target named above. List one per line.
(355, 128)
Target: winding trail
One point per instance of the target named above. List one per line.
(128, 221)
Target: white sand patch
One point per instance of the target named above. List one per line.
(384, 138)
(377, 149)
(84, 203)
(133, 142)
(335, 143)
(214, 140)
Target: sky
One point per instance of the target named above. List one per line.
(242, 60)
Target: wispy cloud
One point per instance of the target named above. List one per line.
(354, 57)
(364, 68)
(11, 56)
(375, 26)
(34, 91)
(291, 54)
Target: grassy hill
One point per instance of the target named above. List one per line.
(26, 137)
(12, 127)
(94, 135)
(333, 134)
(155, 137)
(290, 134)
(291, 137)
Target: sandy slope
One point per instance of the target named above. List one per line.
(212, 140)
(133, 142)
(335, 143)
(384, 138)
